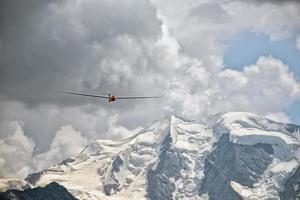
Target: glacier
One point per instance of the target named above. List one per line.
(230, 156)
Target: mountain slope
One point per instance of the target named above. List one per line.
(230, 156)
(53, 191)
(137, 166)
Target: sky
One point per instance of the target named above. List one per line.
(203, 56)
(246, 47)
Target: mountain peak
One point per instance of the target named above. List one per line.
(51, 191)
(174, 158)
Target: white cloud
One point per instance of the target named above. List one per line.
(66, 143)
(15, 152)
(19, 155)
(117, 132)
(267, 86)
(17, 158)
(277, 20)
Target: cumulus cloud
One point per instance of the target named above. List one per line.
(276, 1)
(267, 86)
(118, 132)
(134, 47)
(66, 143)
(278, 21)
(15, 151)
(67, 45)
(17, 158)
(23, 145)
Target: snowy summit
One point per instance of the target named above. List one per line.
(229, 156)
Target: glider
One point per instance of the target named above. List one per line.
(111, 98)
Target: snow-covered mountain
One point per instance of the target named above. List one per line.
(229, 156)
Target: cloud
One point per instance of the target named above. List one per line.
(117, 132)
(23, 145)
(267, 86)
(15, 151)
(254, 88)
(66, 143)
(41, 123)
(276, 1)
(68, 46)
(17, 157)
(278, 21)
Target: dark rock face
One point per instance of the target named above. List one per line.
(292, 187)
(53, 191)
(233, 162)
(292, 128)
(66, 161)
(33, 178)
(160, 187)
(116, 165)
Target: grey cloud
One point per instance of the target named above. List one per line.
(277, 1)
(49, 47)
(210, 12)
(93, 46)
(107, 19)
(268, 1)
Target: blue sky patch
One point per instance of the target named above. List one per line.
(294, 113)
(247, 47)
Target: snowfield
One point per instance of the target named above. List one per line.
(231, 156)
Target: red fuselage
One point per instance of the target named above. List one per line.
(112, 98)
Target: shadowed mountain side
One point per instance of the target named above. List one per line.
(53, 191)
